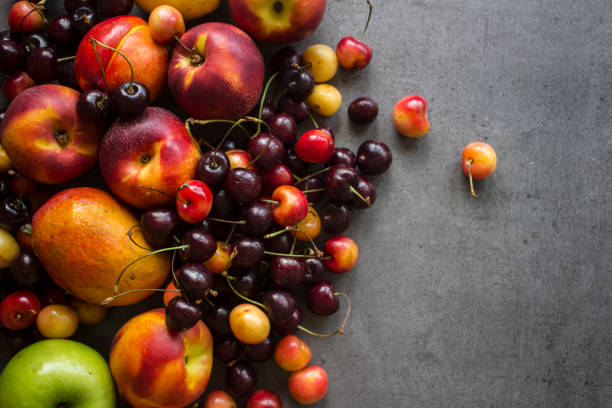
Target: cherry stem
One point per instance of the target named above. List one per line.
(316, 250)
(469, 166)
(273, 234)
(293, 244)
(64, 59)
(130, 89)
(263, 98)
(259, 122)
(270, 201)
(226, 135)
(233, 362)
(229, 236)
(111, 298)
(226, 221)
(116, 287)
(154, 189)
(368, 21)
(182, 44)
(20, 316)
(316, 173)
(341, 329)
(129, 234)
(260, 153)
(241, 296)
(314, 122)
(95, 50)
(295, 255)
(358, 194)
(314, 190)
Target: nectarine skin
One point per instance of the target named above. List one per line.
(44, 136)
(155, 367)
(223, 80)
(152, 149)
(131, 36)
(265, 20)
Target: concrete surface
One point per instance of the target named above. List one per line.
(502, 301)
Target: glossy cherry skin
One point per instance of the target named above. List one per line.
(290, 325)
(309, 228)
(264, 399)
(279, 175)
(292, 207)
(258, 217)
(182, 314)
(240, 379)
(194, 201)
(312, 183)
(217, 319)
(219, 399)
(165, 22)
(315, 270)
(321, 300)
(342, 156)
(267, 150)
(243, 185)
(35, 40)
(94, 105)
(83, 19)
(212, 168)
(299, 83)
(22, 18)
(26, 270)
(194, 279)
(309, 385)
(15, 84)
(482, 158)
(228, 349)
(131, 98)
(71, 5)
(283, 126)
(292, 353)
(280, 244)
(315, 146)
(12, 56)
(111, 8)
(52, 296)
(61, 32)
(339, 180)
(373, 157)
(285, 58)
(249, 252)
(158, 226)
(353, 54)
(335, 217)
(13, 213)
(223, 207)
(298, 166)
(287, 272)
(410, 116)
(344, 253)
(367, 190)
(42, 64)
(202, 245)
(280, 305)
(8, 35)
(363, 110)
(19, 310)
(260, 352)
(248, 284)
(66, 76)
(298, 109)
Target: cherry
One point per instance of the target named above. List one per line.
(112, 8)
(287, 272)
(42, 64)
(240, 379)
(315, 270)
(94, 105)
(267, 150)
(249, 324)
(290, 325)
(315, 146)
(285, 58)
(367, 190)
(258, 217)
(322, 62)
(292, 353)
(280, 305)
(12, 56)
(61, 32)
(243, 185)
(19, 309)
(292, 205)
(355, 54)
(260, 352)
(341, 182)
(26, 17)
(71, 5)
(309, 228)
(15, 84)
(83, 19)
(66, 76)
(335, 217)
(314, 187)
(88, 313)
(280, 243)
(279, 175)
(13, 341)
(321, 299)
(13, 213)
(264, 399)
(8, 35)
(410, 116)
(344, 254)
(35, 40)
(283, 126)
(201, 245)
(217, 319)
(363, 110)
(159, 225)
(247, 284)
(131, 98)
(52, 296)
(342, 156)
(478, 161)
(299, 83)
(325, 99)
(193, 201)
(194, 279)
(182, 314)
(298, 109)
(219, 399)
(298, 166)
(23, 186)
(373, 157)
(212, 168)
(223, 207)
(248, 251)
(228, 349)
(57, 321)
(165, 24)
(26, 270)
(267, 112)
(309, 385)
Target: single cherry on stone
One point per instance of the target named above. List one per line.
(373, 157)
(478, 161)
(355, 54)
(363, 110)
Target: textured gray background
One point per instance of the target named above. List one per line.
(504, 301)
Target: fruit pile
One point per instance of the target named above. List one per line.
(231, 213)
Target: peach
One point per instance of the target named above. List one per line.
(155, 367)
(308, 385)
(410, 116)
(131, 36)
(280, 21)
(222, 79)
(145, 152)
(45, 138)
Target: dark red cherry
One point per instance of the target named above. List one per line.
(94, 105)
(280, 304)
(228, 349)
(14, 212)
(217, 319)
(339, 181)
(321, 300)
(342, 156)
(248, 284)
(194, 279)
(373, 157)
(267, 150)
(223, 207)
(298, 109)
(258, 217)
(41, 65)
(335, 217)
(285, 58)
(280, 244)
(8, 35)
(61, 32)
(260, 352)
(26, 270)
(243, 185)
(83, 19)
(290, 325)
(34, 40)
(315, 270)
(312, 183)
(112, 8)
(249, 252)
(71, 5)
(202, 245)
(52, 296)
(287, 272)
(12, 56)
(131, 98)
(283, 126)
(298, 166)
(158, 226)
(299, 83)
(367, 190)
(182, 314)
(240, 379)
(66, 76)
(279, 175)
(212, 168)
(363, 110)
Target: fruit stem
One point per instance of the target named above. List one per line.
(64, 59)
(154, 189)
(273, 234)
(290, 255)
(263, 97)
(111, 298)
(260, 153)
(241, 296)
(225, 136)
(38, 7)
(270, 201)
(226, 221)
(95, 50)
(229, 236)
(116, 287)
(313, 190)
(131, 88)
(259, 122)
(368, 21)
(129, 234)
(341, 329)
(314, 122)
(293, 244)
(469, 166)
(182, 44)
(358, 194)
(316, 173)
(317, 252)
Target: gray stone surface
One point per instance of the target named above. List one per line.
(504, 301)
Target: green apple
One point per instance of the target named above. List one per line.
(57, 373)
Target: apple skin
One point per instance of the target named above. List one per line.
(227, 84)
(131, 36)
(172, 158)
(147, 361)
(45, 138)
(296, 20)
(51, 372)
